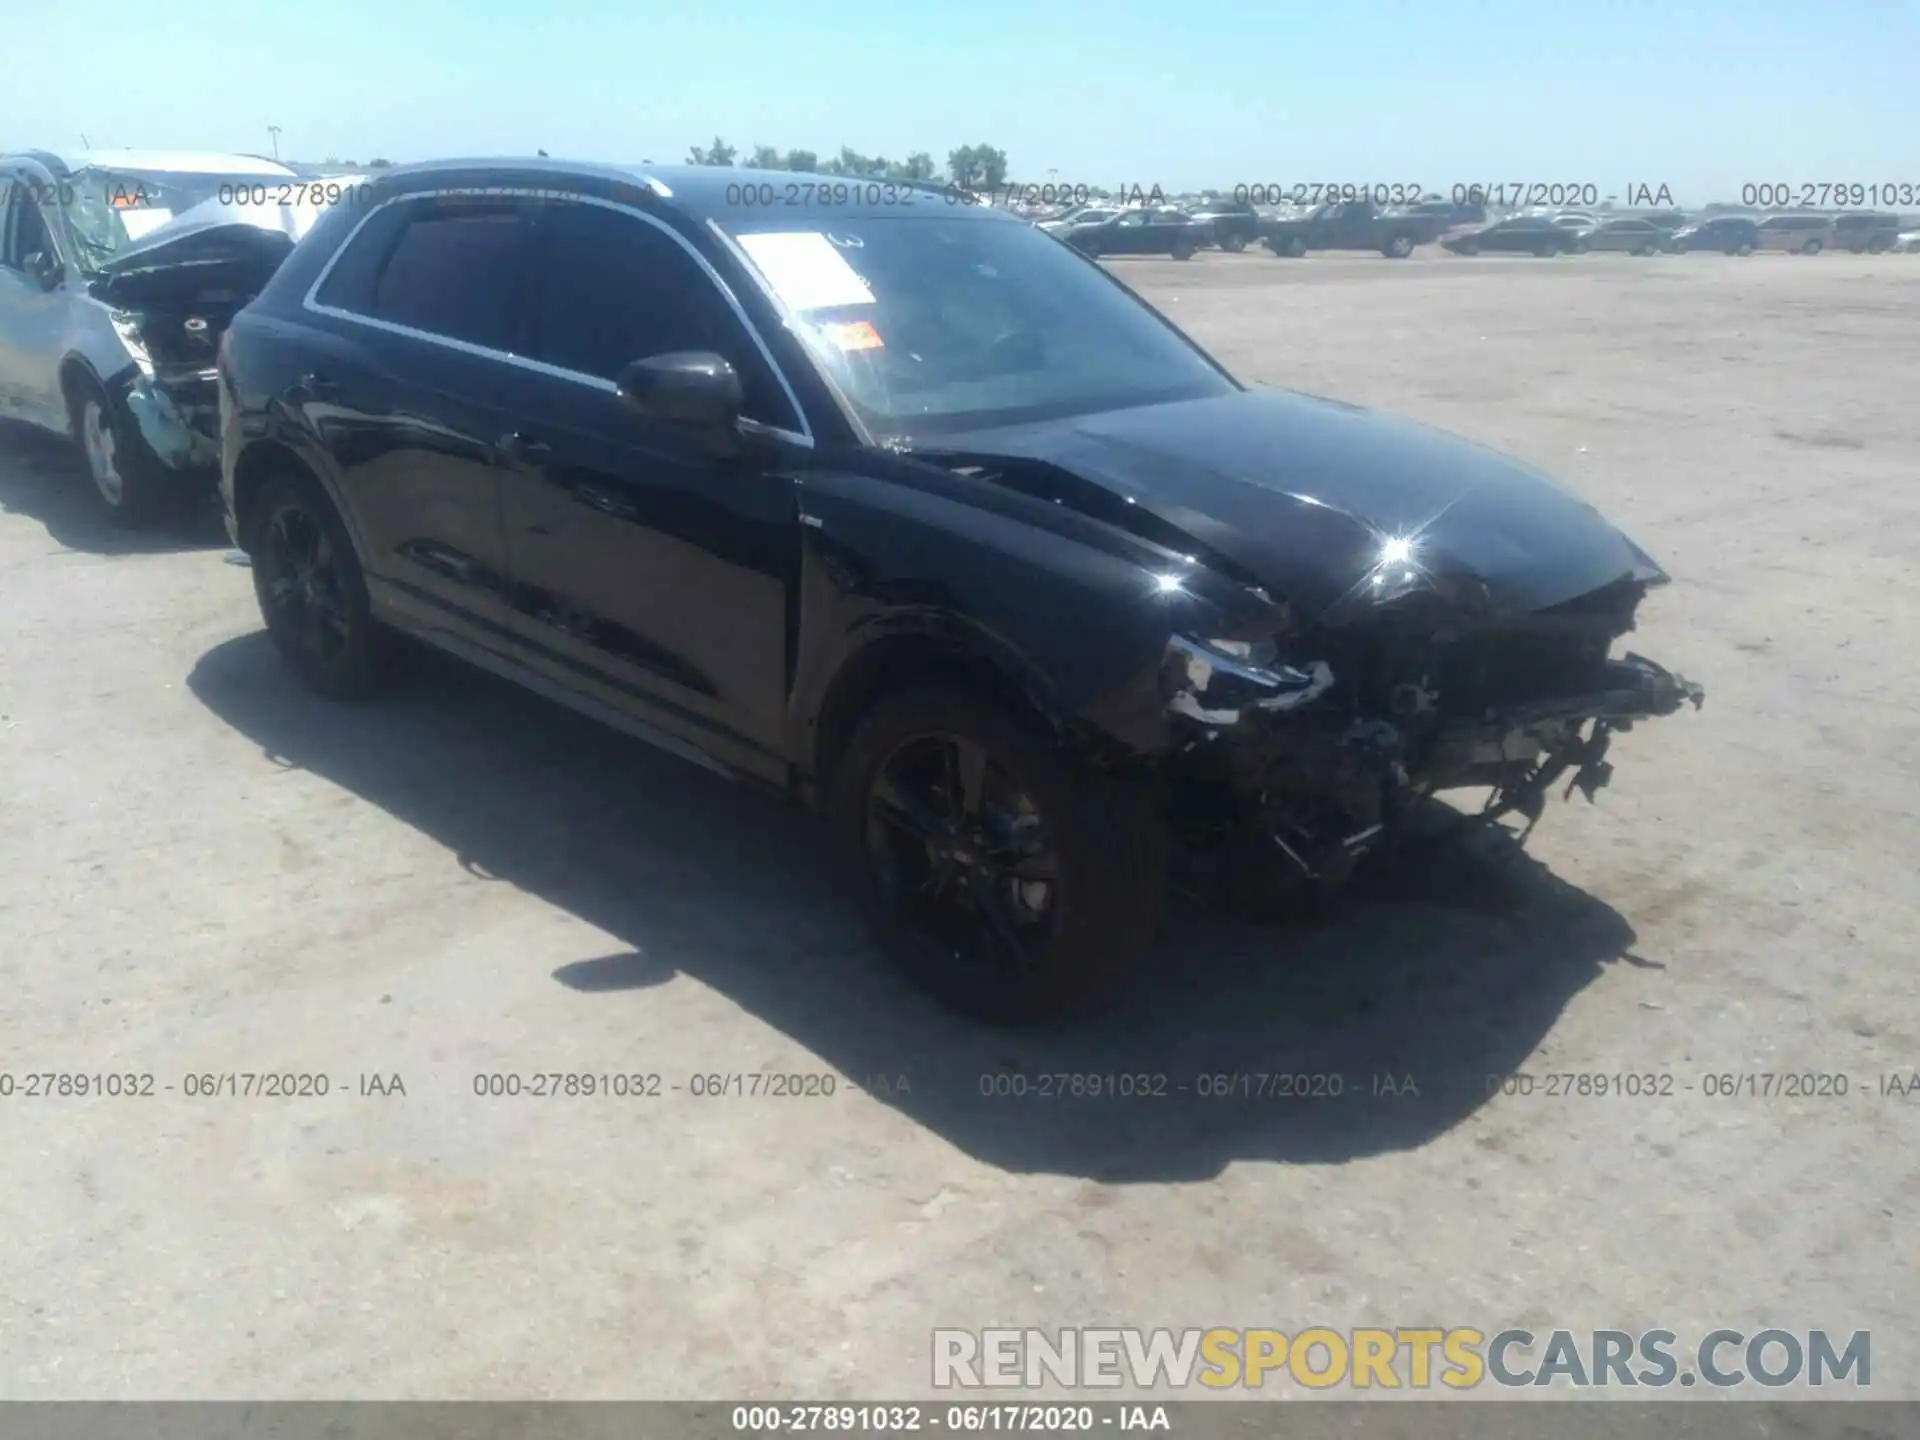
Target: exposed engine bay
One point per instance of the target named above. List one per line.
(1308, 752)
(173, 296)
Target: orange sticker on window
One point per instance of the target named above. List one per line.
(858, 335)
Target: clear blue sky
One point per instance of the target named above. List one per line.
(1697, 94)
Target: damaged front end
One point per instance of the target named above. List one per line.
(170, 298)
(1303, 748)
(170, 390)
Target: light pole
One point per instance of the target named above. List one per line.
(274, 131)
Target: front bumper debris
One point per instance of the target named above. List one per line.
(179, 418)
(1284, 756)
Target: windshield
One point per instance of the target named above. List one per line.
(934, 326)
(108, 210)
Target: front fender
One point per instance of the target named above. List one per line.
(266, 428)
(943, 567)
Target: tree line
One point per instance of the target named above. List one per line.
(973, 166)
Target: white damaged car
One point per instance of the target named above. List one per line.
(119, 272)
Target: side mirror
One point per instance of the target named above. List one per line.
(46, 270)
(692, 388)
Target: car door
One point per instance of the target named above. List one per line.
(1356, 226)
(1168, 228)
(32, 319)
(8, 300)
(1131, 235)
(1510, 235)
(646, 568)
(1636, 235)
(415, 320)
(1611, 235)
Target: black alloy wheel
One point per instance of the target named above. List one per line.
(961, 848)
(312, 594)
(1006, 879)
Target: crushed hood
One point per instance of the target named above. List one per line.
(215, 243)
(1304, 494)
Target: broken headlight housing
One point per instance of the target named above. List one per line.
(127, 326)
(1215, 680)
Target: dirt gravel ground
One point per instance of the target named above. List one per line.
(204, 872)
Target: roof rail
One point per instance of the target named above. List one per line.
(47, 158)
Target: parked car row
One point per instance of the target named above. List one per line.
(919, 518)
(1463, 230)
(1577, 233)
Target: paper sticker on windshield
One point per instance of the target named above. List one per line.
(139, 222)
(805, 270)
(860, 335)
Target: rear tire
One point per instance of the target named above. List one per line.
(1234, 243)
(1742, 249)
(311, 591)
(1184, 250)
(1812, 247)
(1398, 248)
(1019, 885)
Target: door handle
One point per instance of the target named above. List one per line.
(518, 449)
(318, 387)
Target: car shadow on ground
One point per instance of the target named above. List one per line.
(1447, 974)
(44, 476)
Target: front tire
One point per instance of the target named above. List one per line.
(1742, 249)
(1002, 874)
(311, 591)
(1812, 247)
(1183, 250)
(128, 479)
(1398, 248)
(1233, 243)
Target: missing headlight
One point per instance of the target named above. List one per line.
(1207, 681)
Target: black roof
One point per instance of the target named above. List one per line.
(718, 192)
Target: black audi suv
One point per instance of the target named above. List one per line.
(903, 507)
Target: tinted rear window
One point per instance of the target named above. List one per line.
(455, 272)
